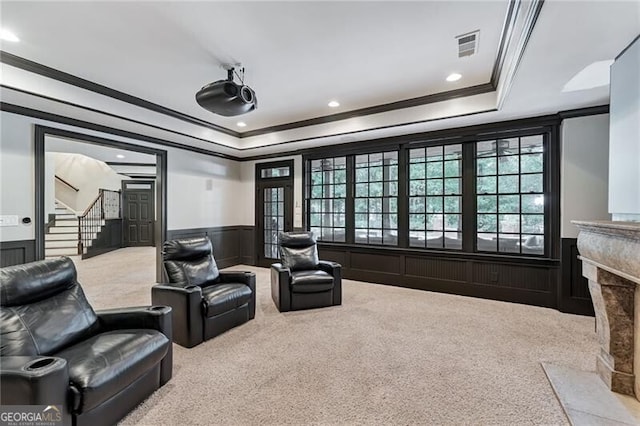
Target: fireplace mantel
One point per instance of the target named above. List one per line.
(613, 246)
(610, 253)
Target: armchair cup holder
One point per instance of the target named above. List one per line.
(40, 363)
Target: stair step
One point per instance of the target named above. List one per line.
(61, 251)
(61, 233)
(60, 244)
(69, 236)
(63, 229)
(61, 236)
(66, 216)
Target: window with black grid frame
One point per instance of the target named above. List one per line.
(510, 196)
(327, 194)
(435, 197)
(376, 198)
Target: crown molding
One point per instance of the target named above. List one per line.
(43, 115)
(108, 114)
(64, 77)
(584, 112)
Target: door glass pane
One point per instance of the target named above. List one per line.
(273, 209)
(274, 172)
(138, 185)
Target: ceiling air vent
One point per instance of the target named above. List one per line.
(468, 44)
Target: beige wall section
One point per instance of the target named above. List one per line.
(248, 189)
(584, 174)
(203, 191)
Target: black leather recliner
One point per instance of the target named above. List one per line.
(56, 350)
(302, 281)
(205, 301)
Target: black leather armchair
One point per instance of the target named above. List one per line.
(56, 350)
(302, 281)
(205, 301)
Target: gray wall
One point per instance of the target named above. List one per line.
(624, 154)
(584, 171)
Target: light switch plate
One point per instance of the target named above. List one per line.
(8, 220)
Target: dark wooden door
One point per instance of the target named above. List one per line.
(274, 208)
(138, 213)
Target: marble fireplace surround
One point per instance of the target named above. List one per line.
(610, 254)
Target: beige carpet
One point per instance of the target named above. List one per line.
(388, 355)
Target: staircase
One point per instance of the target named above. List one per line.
(62, 238)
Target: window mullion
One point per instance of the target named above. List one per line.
(551, 197)
(468, 197)
(403, 197)
(327, 196)
(349, 207)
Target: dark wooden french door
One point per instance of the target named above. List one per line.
(138, 213)
(274, 208)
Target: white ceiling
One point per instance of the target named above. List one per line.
(298, 56)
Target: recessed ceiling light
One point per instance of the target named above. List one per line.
(7, 35)
(120, 156)
(334, 104)
(454, 77)
(241, 124)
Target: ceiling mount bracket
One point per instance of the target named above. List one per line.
(229, 66)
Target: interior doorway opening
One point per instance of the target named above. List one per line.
(95, 195)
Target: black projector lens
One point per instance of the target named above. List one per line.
(246, 94)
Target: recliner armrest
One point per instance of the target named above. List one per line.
(329, 267)
(244, 277)
(34, 380)
(280, 290)
(153, 317)
(145, 317)
(281, 269)
(186, 311)
(335, 270)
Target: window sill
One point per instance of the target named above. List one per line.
(443, 253)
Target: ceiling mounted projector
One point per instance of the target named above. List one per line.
(227, 98)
